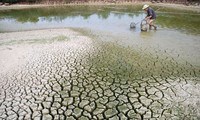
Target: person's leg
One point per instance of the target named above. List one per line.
(150, 22)
(150, 27)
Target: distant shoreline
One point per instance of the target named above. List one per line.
(167, 5)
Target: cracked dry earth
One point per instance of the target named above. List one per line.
(61, 74)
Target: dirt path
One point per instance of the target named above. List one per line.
(179, 6)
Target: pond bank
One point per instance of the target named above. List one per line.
(167, 5)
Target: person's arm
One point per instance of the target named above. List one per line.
(150, 14)
(148, 17)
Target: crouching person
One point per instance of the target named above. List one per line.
(151, 16)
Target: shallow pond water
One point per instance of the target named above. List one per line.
(107, 18)
(178, 31)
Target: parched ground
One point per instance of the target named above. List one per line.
(63, 74)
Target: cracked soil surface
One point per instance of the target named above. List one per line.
(62, 74)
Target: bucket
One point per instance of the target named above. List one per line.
(143, 25)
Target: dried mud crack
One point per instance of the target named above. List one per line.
(75, 77)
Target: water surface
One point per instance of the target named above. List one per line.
(178, 31)
(98, 17)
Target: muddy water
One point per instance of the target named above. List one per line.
(103, 70)
(177, 30)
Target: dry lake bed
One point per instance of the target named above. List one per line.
(86, 63)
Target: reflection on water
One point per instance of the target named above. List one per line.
(112, 22)
(147, 35)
